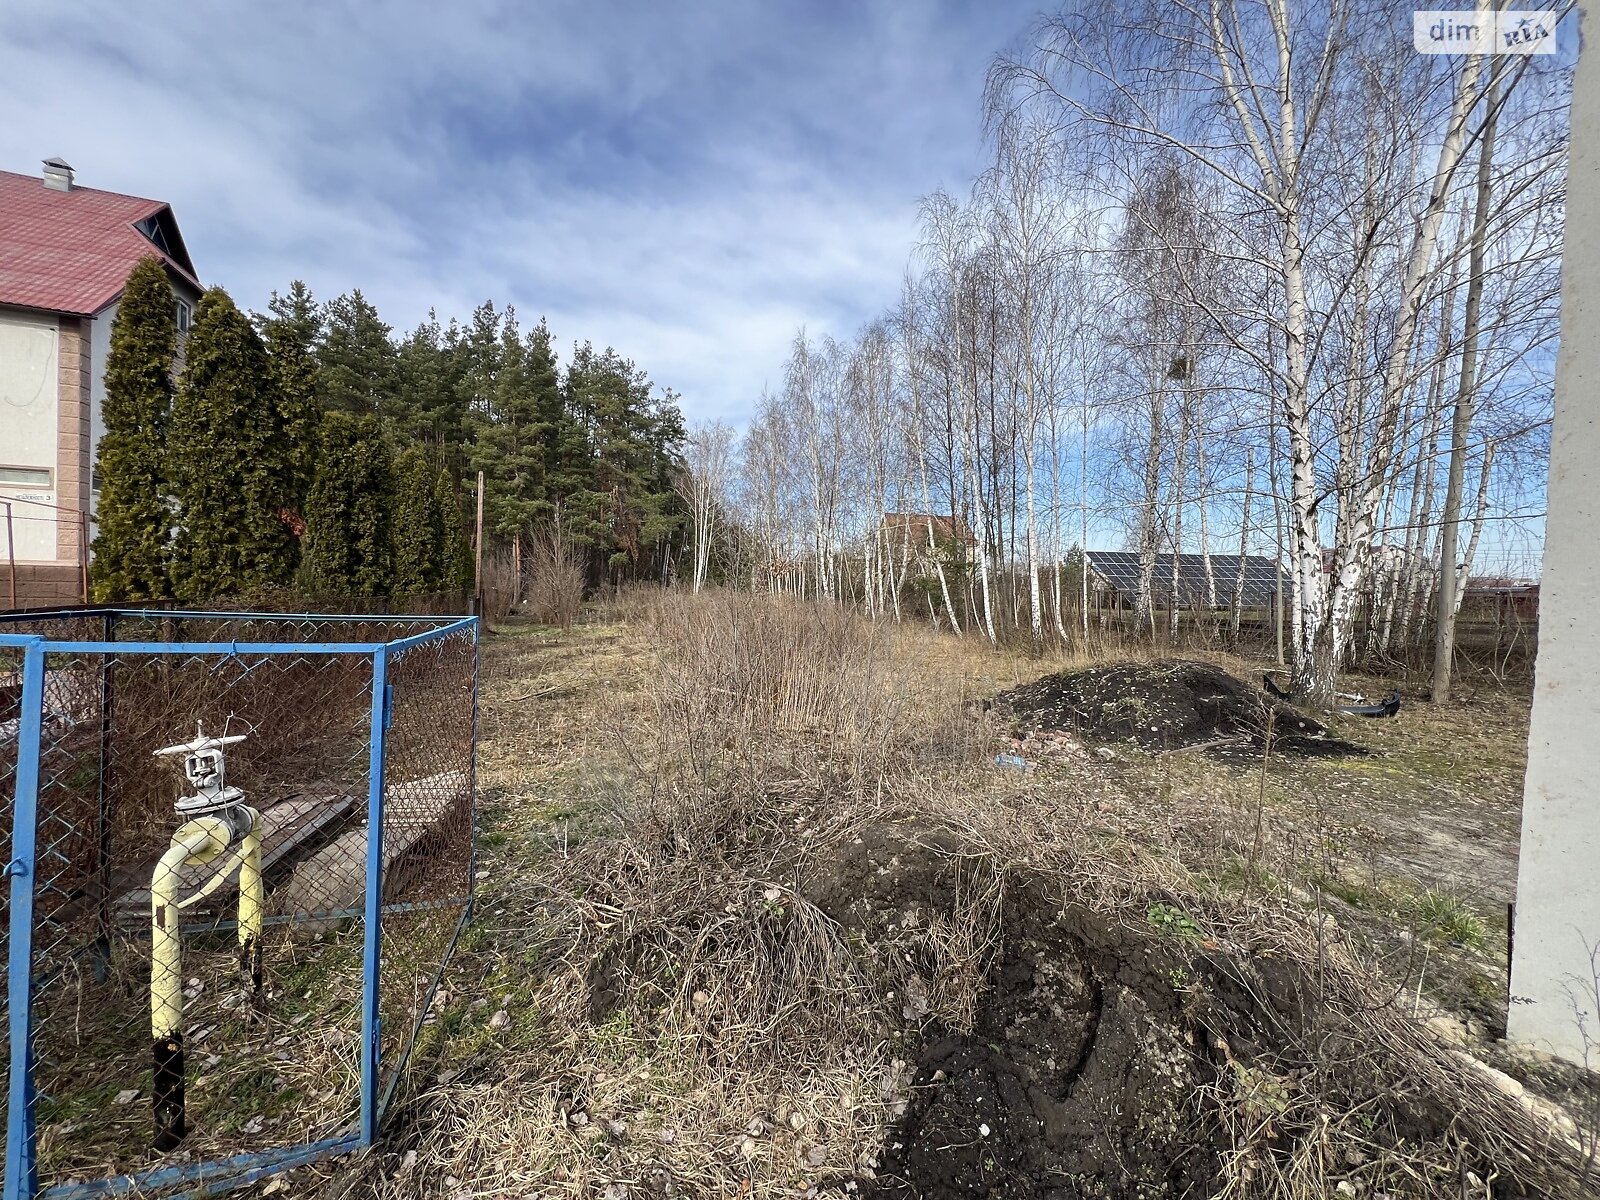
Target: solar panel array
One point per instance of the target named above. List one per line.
(1120, 569)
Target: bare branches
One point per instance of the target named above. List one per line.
(1218, 242)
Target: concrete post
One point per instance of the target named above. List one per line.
(1553, 986)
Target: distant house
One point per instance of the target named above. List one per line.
(65, 252)
(1501, 597)
(950, 535)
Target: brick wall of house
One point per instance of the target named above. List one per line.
(73, 452)
(41, 585)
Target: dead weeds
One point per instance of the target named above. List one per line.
(759, 916)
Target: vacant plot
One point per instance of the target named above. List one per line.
(762, 915)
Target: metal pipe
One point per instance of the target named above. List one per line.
(11, 554)
(198, 841)
(195, 843)
(83, 554)
(103, 791)
(252, 905)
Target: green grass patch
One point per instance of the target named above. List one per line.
(1448, 917)
(1356, 895)
(1241, 875)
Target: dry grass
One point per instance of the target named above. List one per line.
(679, 1018)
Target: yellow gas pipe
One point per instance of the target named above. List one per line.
(197, 842)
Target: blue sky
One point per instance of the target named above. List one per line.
(688, 182)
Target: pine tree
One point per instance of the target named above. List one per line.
(627, 504)
(418, 526)
(291, 333)
(349, 538)
(427, 406)
(568, 461)
(229, 460)
(135, 520)
(356, 358)
(514, 380)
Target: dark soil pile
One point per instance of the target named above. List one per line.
(1104, 1053)
(1168, 705)
(1079, 1075)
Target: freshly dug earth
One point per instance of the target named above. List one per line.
(1168, 705)
(1104, 1054)
(1078, 1076)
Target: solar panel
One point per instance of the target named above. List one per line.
(1120, 569)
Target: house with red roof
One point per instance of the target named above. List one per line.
(65, 252)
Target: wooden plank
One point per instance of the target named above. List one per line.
(287, 827)
(334, 878)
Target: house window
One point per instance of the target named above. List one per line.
(151, 228)
(184, 313)
(35, 477)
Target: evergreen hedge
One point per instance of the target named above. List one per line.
(134, 515)
(229, 460)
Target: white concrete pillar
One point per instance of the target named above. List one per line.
(1557, 948)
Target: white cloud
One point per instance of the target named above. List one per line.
(686, 182)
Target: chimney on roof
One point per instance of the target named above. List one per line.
(57, 175)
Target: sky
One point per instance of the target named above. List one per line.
(688, 182)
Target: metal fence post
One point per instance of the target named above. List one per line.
(103, 844)
(472, 776)
(371, 1044)
(19, 1180)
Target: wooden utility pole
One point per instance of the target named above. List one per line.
(477, 553)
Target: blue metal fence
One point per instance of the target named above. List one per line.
(358, 767)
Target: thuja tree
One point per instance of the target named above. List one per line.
(291, 332)
(135, 520)
(456, 547)
(418, 524)
(348, 538)
(229, 460)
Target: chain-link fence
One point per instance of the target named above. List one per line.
(207, 990)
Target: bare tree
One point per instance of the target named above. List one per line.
(708, 457)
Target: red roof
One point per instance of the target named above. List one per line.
(70, 252)
(943, 527)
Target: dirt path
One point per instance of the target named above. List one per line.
(1443, 792)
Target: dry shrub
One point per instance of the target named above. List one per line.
(701, 1018)
(696, 1018)
(554, 571)
(761, 680)
(701, 1025)
(501, 587)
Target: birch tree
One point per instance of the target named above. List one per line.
(708, 462)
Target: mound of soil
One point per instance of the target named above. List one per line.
(1168, 705)
(1100, 1049)
(1078, 1076)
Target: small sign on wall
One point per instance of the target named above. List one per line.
(32, 526)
